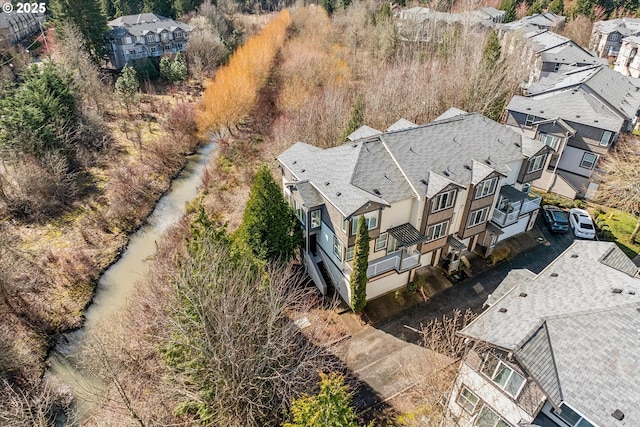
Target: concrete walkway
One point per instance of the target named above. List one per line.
(384, 363)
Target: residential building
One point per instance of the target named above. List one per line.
(145, 35)
(606, 36)
(17, 27)
(555, 349)
(580, 114)
(545, 21)
(424, 24)
(628, 61)
(429, 193)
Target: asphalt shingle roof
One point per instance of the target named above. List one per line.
(624, 26)
(576, 328)
(609, 86)
(401, 164)
(572, 105)
(145, 23)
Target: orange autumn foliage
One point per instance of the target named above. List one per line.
(231, 96)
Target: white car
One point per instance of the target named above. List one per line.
(582, 223)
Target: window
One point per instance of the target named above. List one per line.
(556, 67)
(614, 37)
(344, 224)
(478, 217)
(381, 241)
(486, 188)
(164, 36)
(315, 219)
(132, 52)
(178, 34)
(570, 416)
(443, 201)
(151, 38)
(299, 211)
(529, 121)
(503, 376)
(606, 138)
(588, 160)
(349, 253)
(371, 219)
(488, 418)
(536, 163)
(550, 140)
(437, 231)
(180, 46)
(167, 48)
(127, 40)
(152, 49)
(467, 400)
(337, 248)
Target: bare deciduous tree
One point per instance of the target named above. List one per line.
(620, 186)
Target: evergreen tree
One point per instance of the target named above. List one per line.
(536, 7)
(35, 115)
(182, 7)
(331, 407)
(509, 6)
(492, 51)
(127, 7)
(127, 86)
(159, 7)
(557, 7)
(328, 6)
(90, 19)
(174, 70)
(358, 281)
(109, 9)
(356, 117)
(269, 230)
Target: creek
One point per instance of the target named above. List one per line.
(118, 283)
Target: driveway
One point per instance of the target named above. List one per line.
(463, 295)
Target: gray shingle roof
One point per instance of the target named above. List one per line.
(401, 124)
(363, 132)
(396, 165)
(593, 332)
(310, 196)
(624, 26)
(612, 87)
(513, 278)
(572, 105)
(330, 173)
(448, 147)
(145, 23)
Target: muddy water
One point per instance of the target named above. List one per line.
(117, 284)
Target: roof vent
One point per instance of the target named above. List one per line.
(616, 291)
(522, 294)
(631, 292)
(376, 192)
(424, 181)
(302, 170)
(338, 194)
(326, 183)
(574, 256)
(467, 166)
(517, 144)
(595, 121)
(412, 150)
(541, 111)
(295, 161)
(528, 108)
(618, 414)
(554, 274)
(578, 116)
(446, 173)
(503, 310)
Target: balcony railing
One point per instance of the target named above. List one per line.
(503, 218)
(530, 205)
(399, 261)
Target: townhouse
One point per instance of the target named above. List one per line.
(429, 193)
(628, 61)
(555, 349)
(606, 36)
(145, 35)
(579, 113)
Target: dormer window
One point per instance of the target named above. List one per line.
(178, 34)
(443, 201)
(371, 219)
(151, 38)
(503, 376)
(486, 188)
(536, 163)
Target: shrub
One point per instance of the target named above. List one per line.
(500, 254)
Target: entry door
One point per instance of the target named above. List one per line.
(455, 260)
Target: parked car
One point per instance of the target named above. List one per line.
(582, 223)
(555, 218)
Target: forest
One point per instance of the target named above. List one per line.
(209, 338)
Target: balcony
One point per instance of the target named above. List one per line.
(399, 261)
(512, 204)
